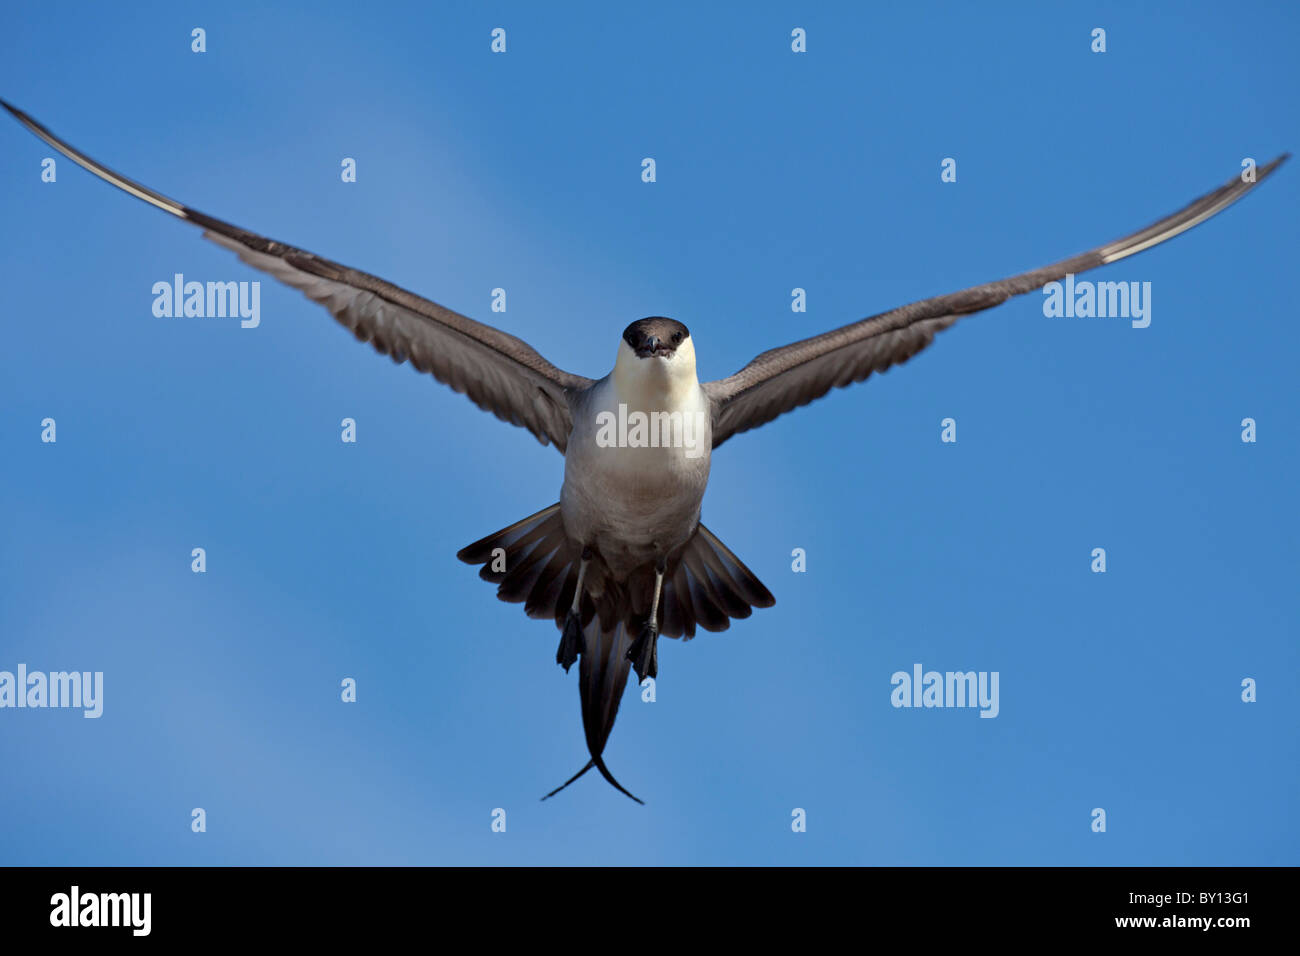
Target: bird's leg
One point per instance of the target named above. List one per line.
(644, 652)
(571, 640)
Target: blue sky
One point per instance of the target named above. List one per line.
(775, 170)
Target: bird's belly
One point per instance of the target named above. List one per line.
(632, 504)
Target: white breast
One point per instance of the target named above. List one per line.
(638, 458)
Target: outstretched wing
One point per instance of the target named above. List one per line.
(783, 379)
(500, 373)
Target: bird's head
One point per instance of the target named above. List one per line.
(657, 337)
(657, 354)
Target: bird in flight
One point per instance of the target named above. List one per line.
(622, 558)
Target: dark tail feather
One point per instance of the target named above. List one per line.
(602, 677)
(604, 772)
(480, 552)
(708, 587)
(599, 764)
(590, 764)
(534, 562)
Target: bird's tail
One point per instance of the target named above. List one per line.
(533, 561)
(602, 677)
(600, 765)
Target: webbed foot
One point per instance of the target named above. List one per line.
(644, 652)
(570, 642)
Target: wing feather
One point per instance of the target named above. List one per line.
(497, 371)
(784, 379)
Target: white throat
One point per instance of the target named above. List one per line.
(656, 383)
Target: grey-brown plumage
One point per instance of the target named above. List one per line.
(783, 379)
(498, 372)
(622, 558)
(535, 563)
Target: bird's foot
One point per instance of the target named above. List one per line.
(644, 652)
(570, 642)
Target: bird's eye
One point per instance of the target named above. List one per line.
(677, 338)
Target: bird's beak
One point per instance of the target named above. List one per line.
(651, 346)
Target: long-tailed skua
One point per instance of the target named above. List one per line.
(622, 558)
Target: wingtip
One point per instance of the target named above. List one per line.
(1273, 164)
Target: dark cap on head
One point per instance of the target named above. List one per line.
(655, 336)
